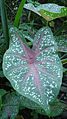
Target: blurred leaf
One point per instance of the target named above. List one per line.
(2, 93)
(48, 11)
(56, 108)
(27, 31)
(19, 117)
(62, 43)
(1, 71)
(64, 61)
(2, 50)
(10, 106)
(4, 23)
(34, 115)
(64, 69)
(2, 45)
(62, 29)
(28, 28)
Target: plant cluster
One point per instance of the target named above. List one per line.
(33, 58)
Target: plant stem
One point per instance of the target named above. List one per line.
(4, 22)
(19, 13)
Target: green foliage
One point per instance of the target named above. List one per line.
(35, 72)
(27, 31)
(64, 69)
(2, 93)
(48, 11)
(1, 72)
(19, 13)
(25, 102)
(64, 61)
(3, 48)
(56, 109)
(13, 102)
(10, 106)
(4, 23)
(62, 43)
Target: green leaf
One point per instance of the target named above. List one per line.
(2, 50)
(64, 69)
(25, 102)
(19, 13)
(4, 22)
(48, 11)
(35, 73)
(31, 7)
(2, 46)
(52, 11)
(2, 93)
(1, 72)
(27, 31)
(56, 109)
(10, 106)
(64, 61)
(62, 43)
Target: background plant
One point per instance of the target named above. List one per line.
(27, 31)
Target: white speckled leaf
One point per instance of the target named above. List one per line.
(56, 109)
(48, 11)
(35, 73)
(31, 7)
(27, 103)
(51, 11)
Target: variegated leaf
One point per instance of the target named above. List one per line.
(48, 11)
(35, 73)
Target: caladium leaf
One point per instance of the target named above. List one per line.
(35, 73)
(52, 11)
(56, 108)
(31, 7)
(27, 103)
(48, 11)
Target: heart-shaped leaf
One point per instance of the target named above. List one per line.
(35, 73)
(48, 11)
